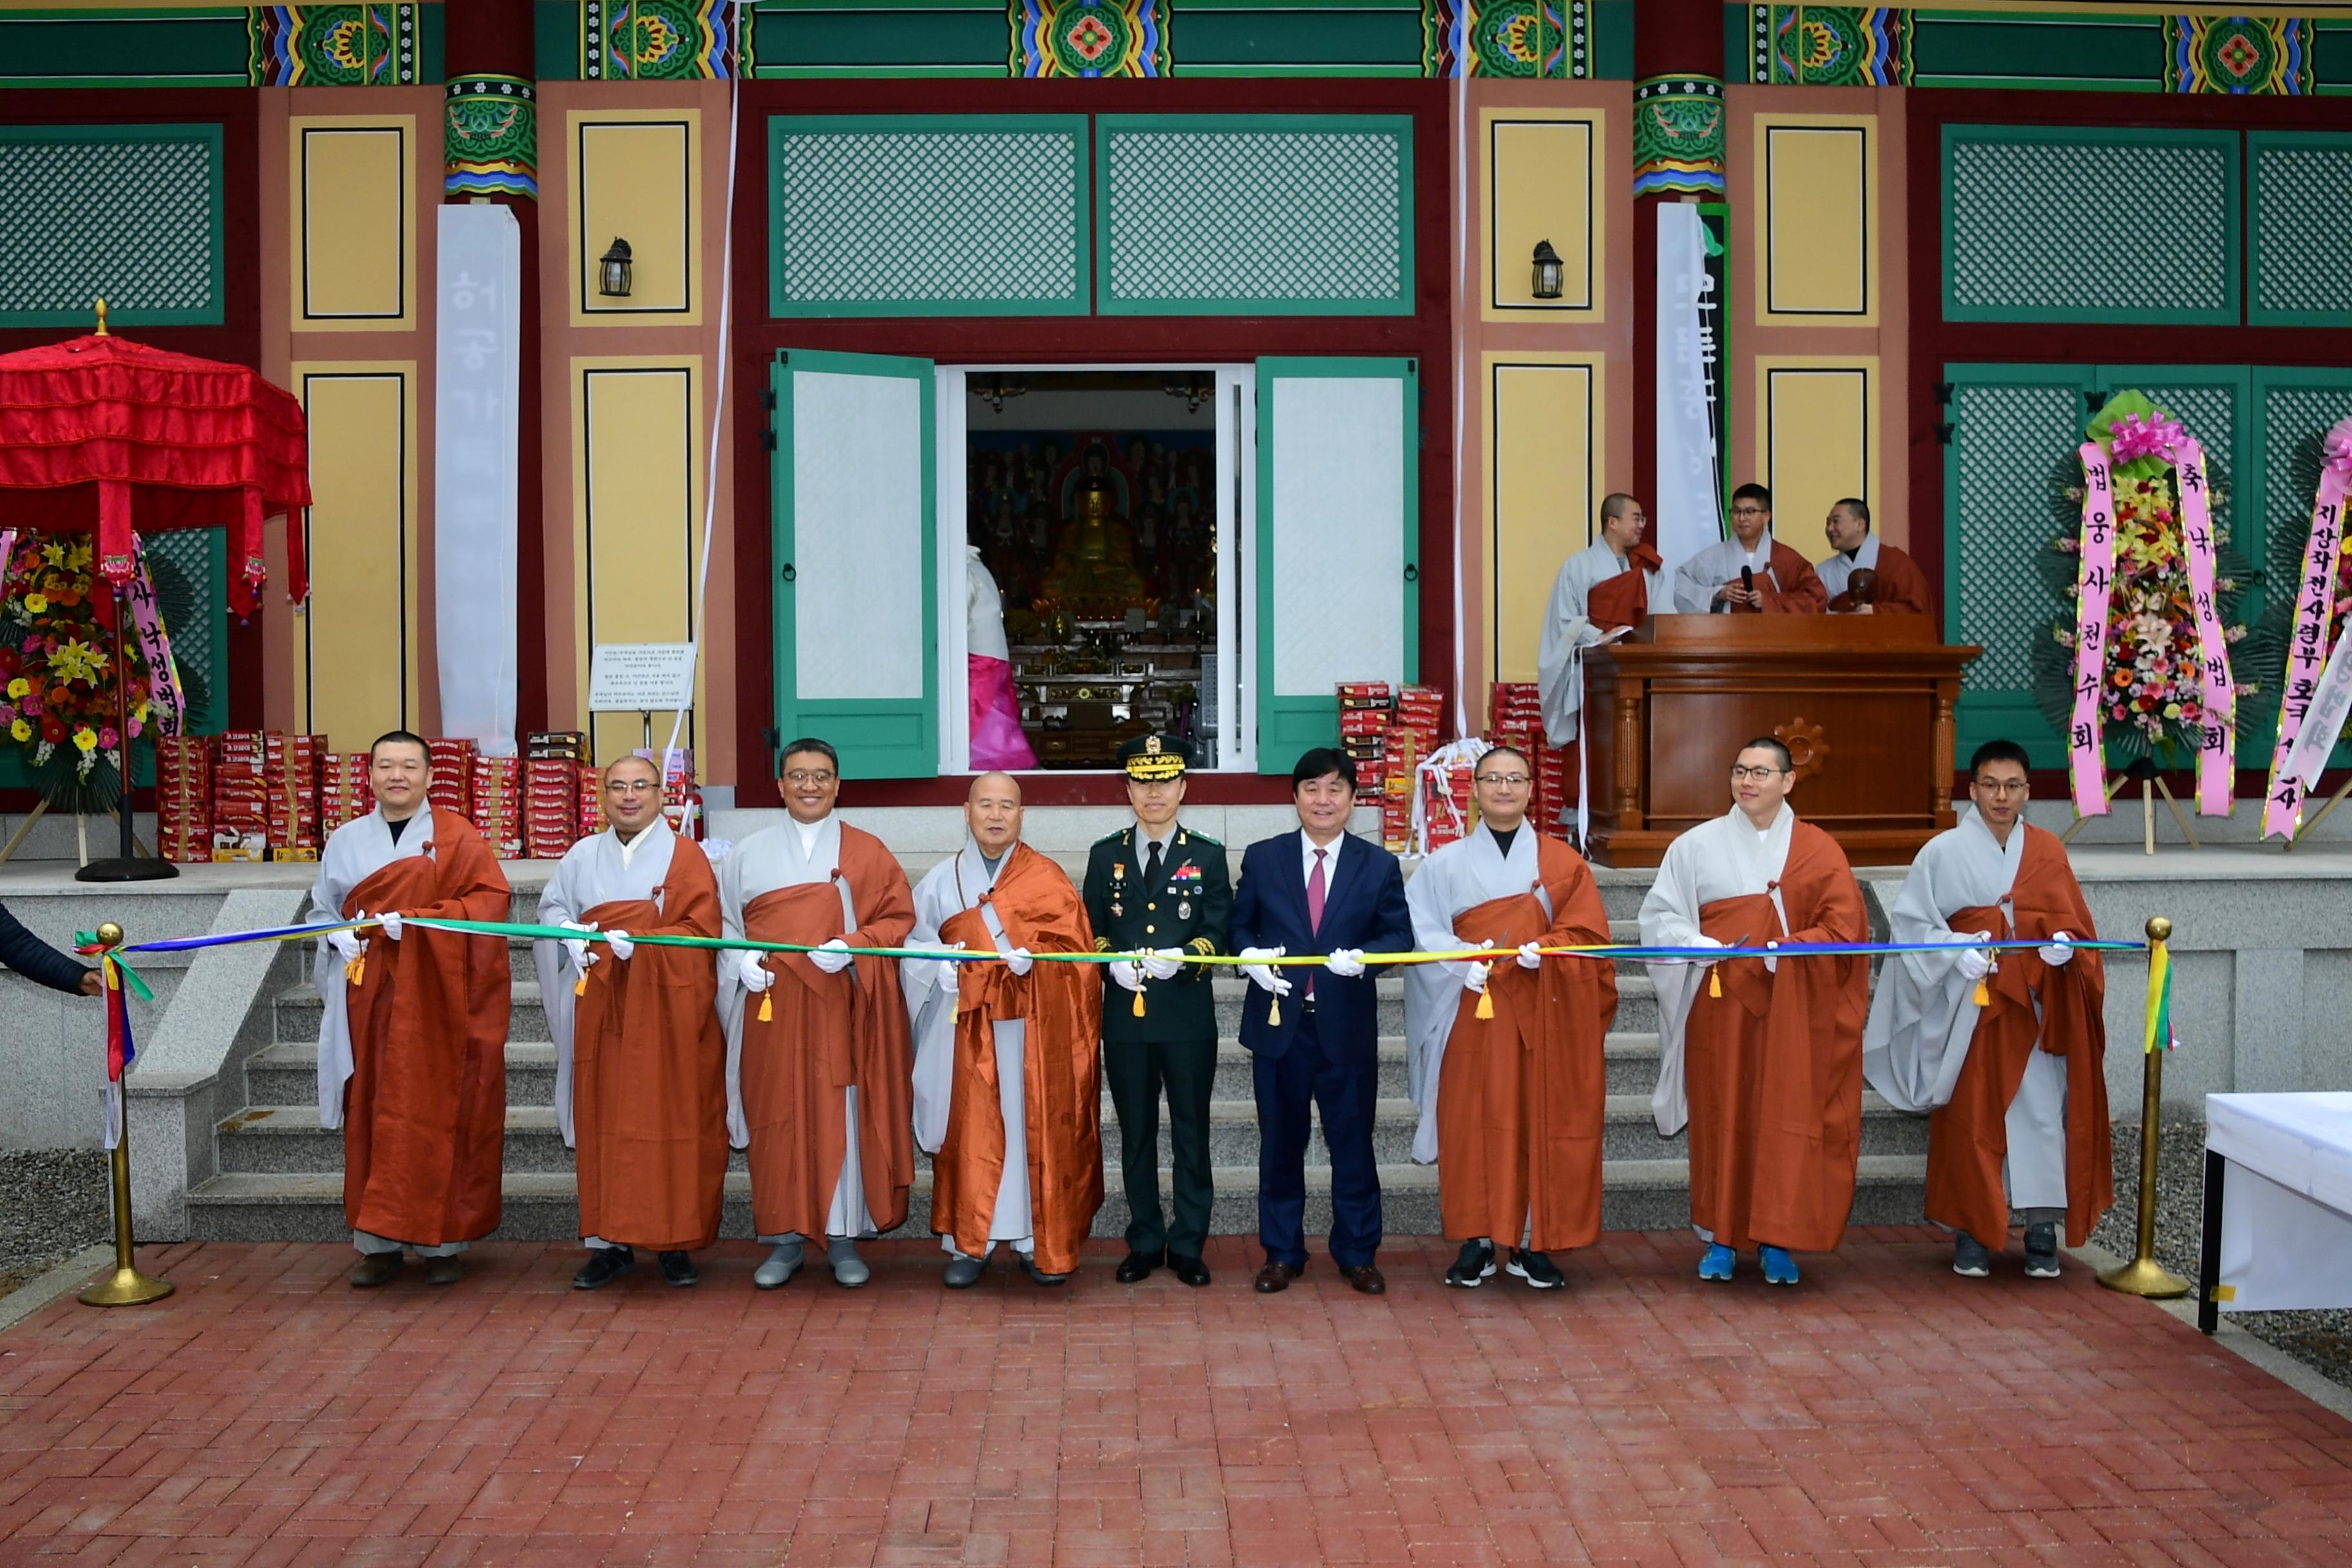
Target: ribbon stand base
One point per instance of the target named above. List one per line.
(2300, 834)
(125, 1286)
(2144, 1276)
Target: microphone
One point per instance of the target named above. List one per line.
(1747, 579)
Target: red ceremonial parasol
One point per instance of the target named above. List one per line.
(105, 437)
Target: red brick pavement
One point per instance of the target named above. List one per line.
(1881, 1414)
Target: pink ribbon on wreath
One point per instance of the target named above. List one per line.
(2306, 648)
(2135, 436)
(2217, 726)
(2086, 757)
(165, 704)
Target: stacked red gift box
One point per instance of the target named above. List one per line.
(1364, 707)
(291, 794)
(345, 794)
(1396, 790)
(588, 797)
(496, 807)
(1422, 710)
(1516, 719)
(553, 761)
(183, 798)
(453, 775)
(240, 815)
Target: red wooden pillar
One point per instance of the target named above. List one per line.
(490, 153)
(1679, 152)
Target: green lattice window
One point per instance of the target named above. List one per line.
(129, 213)
(200, 642)
(928, 216)
(2076, 225)
(2302, 240)
(1266, 215)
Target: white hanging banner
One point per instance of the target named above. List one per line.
(478, 365)
(1687, 517)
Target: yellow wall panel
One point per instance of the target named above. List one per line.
(1539, 182)
(1819, 433)
(1814, 177)
(356, 646)
(1543, 460)
(634, 178)
(639, 525)
(353, 223)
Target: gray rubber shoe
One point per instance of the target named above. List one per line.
(2041, 1251)
(964, 1271)
(1969, 1259)
(849, 1270)
(783, 1262)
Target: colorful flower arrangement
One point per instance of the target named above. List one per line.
(2154, 693)
(58, 675)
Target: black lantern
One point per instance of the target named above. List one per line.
(612, 270)
(1546, 270)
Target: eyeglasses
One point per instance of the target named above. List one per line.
(2001, 786)
(630, 787)
(1740, 772)
(1748, 511)
(1509, 781)
(808, 776)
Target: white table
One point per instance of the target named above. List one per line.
(2278, 1204)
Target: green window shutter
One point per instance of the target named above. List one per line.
(1339, 525)
(2300, 251)
(856, 560)
(2015, 429)
(128, 212)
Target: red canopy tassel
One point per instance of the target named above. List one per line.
(114, 532)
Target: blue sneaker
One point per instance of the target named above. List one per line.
(1716, 1264)
(1779, 1269)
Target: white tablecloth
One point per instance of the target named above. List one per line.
(2286, 1201)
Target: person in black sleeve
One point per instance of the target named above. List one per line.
(42, 964)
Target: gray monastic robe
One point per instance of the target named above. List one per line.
(1568, 631)
(1461, 876)
(354, 852)
(1839, 568)
(1696, 579)
(599, 870)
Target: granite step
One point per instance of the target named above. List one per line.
(287, 1073)
(1636, 1195)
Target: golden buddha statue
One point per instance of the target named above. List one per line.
(1095, 567)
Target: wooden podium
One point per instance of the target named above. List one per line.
(1863, 702)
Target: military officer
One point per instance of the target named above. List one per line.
(1161, 889)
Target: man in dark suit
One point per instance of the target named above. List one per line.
(1316, 1036)
(1161, 889)
(42, 964)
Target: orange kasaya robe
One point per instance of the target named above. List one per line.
(425, 1113)
(1773, 1066)
(1800, 591)
(1522, 1096)
(1902, 588)
(1624, 600)
(1967, 1137)
(649, 1071)
(826, 1034)
(1061, 1064)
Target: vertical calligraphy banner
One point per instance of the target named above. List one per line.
(2217, 745)
(2306, 648)
(1689, 516)
(2087, 767)
(477, 405)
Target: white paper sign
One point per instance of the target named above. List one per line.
(479, 336)
(641, 676)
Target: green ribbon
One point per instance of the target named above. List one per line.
(88, 938)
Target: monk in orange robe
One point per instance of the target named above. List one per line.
(1762, 1057)
(819, 1060)
(412, 1048)
(1894, 586)
(1751, 572)
(641, 1061)
(1012, 1047)
(1511, 1105)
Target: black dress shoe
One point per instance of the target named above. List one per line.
(1190, 1270)
(1039, 1275)
(1276, 1277)
(1137, 1267)
(605, 1265)
(376, 1268)
(446, 1270)
(1367, 1281)
(678, 1269)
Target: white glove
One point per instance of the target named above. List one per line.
(1164, 963)
(1975, 962)
(1528, 957)
(833, 957)
(1474, 980)
(2058, 950)
(618, 940)
(1261, 973)
(577, 947)
(946, 977)
(1126, 973)
(391, 924)
(1701, 939)
(1347, 962)
(751, 969)
(348, 944)
(1771, 965)
(1019, 961)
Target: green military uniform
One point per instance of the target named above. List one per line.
(1173, 1044)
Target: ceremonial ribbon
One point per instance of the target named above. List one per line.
(2159, 999)
(168, 707)
(2315, 610)
(2086, 751)
(121, 1049)
(2217, 744)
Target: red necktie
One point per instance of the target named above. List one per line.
(1314, 891)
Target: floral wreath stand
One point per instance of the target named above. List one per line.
(2151, 784)
(81, 834)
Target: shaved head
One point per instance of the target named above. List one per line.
(998, 783)
(992, 810)
(652, 772)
